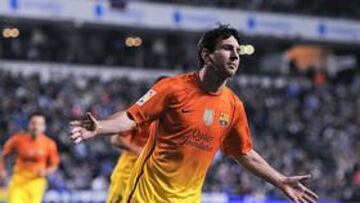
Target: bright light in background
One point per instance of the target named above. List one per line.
(137, 41)
(242, 50)
(15, 32)
(129, 42)
(133, 42)
(6, 32)
(250, 49)
(247, 49)
(11, 32)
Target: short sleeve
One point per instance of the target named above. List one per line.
(53, 154)
(10, 145)
(238, 141)
(152, 104)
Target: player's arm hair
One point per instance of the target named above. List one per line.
(116, 123)
(119, 122)
(51, 169)
(2, 163)
(124, 143)
(5, 152)
(253, 162)
(3, 156)
(2, 168)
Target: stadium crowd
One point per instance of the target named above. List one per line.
(89, 45)
(299, 128)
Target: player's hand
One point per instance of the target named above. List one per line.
(83, 129)
(42, 173)
(138, 151)
(296, 191)
(2, 176)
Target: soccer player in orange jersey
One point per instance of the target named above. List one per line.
(36, 157)
(198, 114)
(132, 143)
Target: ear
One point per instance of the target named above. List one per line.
(205, 55)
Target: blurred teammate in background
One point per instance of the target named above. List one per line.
(132, 142)
(198, 115)
(36, 158)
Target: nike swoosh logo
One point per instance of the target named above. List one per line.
(186, 110)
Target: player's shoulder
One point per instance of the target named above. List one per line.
(177, 79)
(18, 136)
(233, 96)
(48, 139)
(177, 82)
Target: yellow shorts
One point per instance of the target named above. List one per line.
(120, 176)
(25, 190)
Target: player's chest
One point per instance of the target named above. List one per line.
(32, 150)
(205, 113)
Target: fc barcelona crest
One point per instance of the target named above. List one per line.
(224, 119)
(208, 116)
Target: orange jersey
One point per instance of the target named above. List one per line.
(139, 136)
(193, 126)
(32, 155)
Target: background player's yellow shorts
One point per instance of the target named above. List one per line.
(120, 176)
(25, 190)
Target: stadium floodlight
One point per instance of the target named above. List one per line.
(250, 49)
(242, 50)
(15, 32)
(129, 42)
(11, 32)
(137, 41)
(6, 33)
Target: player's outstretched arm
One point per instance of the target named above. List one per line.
(85, 129)
(48, 171)
(6, 151)
(2, 168)
(291, 186)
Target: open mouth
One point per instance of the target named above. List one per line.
(232, 66)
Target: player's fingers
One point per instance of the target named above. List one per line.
(292, 197)
(296, 200)
(308, 198)
(75, 123)
(302, 199)
(302, 178)
(75, 130)
(90, 117)
(87, 124)
(75, 136)
(311, 193)
(78, 140)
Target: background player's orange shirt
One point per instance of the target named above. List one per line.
(126, 162)
(193, 125)
(32, 155)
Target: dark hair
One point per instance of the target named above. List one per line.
(210, 39)
(160, 78)
(36, 113)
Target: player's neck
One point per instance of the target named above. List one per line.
(210, 81)
(33, 136)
